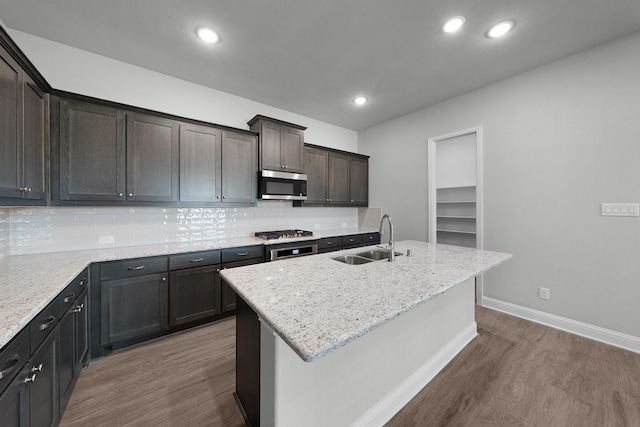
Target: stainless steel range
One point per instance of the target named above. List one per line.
(279, 251)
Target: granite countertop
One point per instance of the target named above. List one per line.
(316, 304)
(28, 283)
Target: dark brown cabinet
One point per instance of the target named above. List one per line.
(23, 135)
(335, 178)
(239, 167)
(73, 337)
(200, 164)
(237, 257)
(281, 144)
(152, 159)
(134, 299)
(89, 148)
(194, 287)
(43, 383)
(14, 401)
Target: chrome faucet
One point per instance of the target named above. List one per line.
(392, 254)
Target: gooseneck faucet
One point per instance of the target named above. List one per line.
(392, 254)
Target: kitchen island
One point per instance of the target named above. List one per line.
(329, 343)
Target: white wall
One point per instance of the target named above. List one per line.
(74, 70)
(558, 141)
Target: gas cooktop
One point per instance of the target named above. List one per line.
(282, 234)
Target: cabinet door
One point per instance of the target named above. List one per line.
(194, 294)
(152, 159)
(92, 152)
(292, 149)
(66, 357)
(239, 168)
(82, 332)
(358, 181)
(200, 164)
(316, 167)
(14, 402)
(133, 307)
(270, 141)
(10, 125)
(338, 178)
(228, 296)
(35, 122)
(43, 393)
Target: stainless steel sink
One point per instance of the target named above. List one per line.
(376, 255)
(352, 259)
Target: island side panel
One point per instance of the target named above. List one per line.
(247, 392)
(367, 381)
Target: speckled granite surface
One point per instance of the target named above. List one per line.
(316, 304)
(29, 282)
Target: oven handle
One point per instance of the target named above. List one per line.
(273, 253)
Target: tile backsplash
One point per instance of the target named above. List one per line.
(54, 229)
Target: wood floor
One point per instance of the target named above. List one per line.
(515, 373)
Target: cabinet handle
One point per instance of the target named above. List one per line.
(79, 308)
(243, 253)
(29, 190)
(83, 282)
(48, 323)
(120, 194)
(69, 297)
(224, 197)
(9, 369)
(31, 379)
(351, 200)
(37, 368)
(130, 194)
(327, 200)
(164, 279)
(196, 260)
(217, 197)
(21, 189)
(140, 267)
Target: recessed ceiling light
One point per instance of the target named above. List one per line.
(208, 35)
(453, 24)
(500, 29)
(359, 100)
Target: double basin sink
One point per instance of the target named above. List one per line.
(365, 257)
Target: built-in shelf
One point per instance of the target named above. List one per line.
(456, 215)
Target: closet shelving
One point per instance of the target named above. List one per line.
(456, 215)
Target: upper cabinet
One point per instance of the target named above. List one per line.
(335, 178)
(23, 132)
(217, 166)
(281, 144)
(102, 154)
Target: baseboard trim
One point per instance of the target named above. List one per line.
(607, 336)
(386, 408)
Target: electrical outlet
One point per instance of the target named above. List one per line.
(317, 226)
(620, 209)
(544, 293)
(103, 240)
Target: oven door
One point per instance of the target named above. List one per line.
(276, 185)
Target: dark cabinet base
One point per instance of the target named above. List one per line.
(247, 392)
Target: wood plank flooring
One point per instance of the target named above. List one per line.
(515, 373)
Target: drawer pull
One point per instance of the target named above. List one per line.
(79, 308)
(243, 253)
(37, 368)
(140, 267)
(31, 379)
(196, 260)
(83, 282)
(48, 323)
(69, 297)
(14, 363)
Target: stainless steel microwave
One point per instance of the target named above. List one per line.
(276, 185)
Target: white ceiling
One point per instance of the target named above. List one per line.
(313, 56)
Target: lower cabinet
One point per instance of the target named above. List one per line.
(238, 257)
(194, 287)
(43, 383)
(74, 346)
(14, 401)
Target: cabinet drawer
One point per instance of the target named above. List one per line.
(194, 259)
(43, 323)
(66, 299)
(351, 241)
(13, 357)
(329, 244)
(371, 239)
(132, 268)
(244, 252)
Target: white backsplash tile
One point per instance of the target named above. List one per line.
(53, 229)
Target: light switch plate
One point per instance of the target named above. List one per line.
(620, 209)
